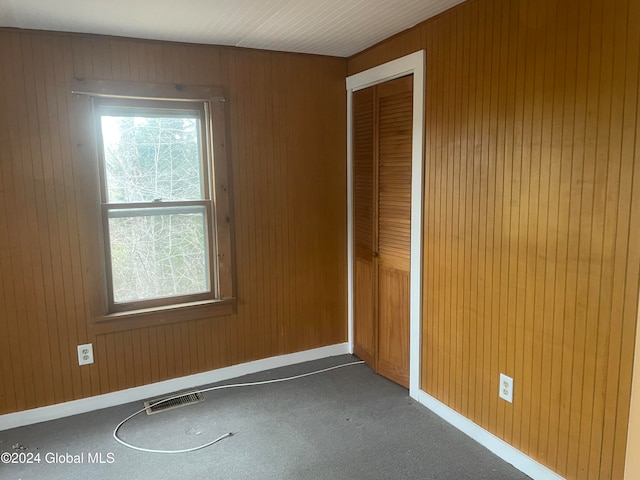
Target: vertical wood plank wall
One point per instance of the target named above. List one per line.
(532, 232)
(288, 137)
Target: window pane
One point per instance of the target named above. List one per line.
(157, 255)
(152, 158)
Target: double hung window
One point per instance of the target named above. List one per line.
(156, 202)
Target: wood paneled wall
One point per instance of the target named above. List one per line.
(532, 232)
(288, 138)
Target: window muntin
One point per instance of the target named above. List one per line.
(156, 202)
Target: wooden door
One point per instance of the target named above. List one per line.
(383, 125)
(365, 325)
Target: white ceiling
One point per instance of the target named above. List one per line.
(327, 27)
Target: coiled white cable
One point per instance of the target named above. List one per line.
(210, 389)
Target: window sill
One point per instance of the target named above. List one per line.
(153, 317)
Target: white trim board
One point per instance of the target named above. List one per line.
(412, 64)
(75, 407)
(502, 449)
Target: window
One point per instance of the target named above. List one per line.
(156, 203)
(165, 222)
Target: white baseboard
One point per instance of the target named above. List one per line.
(74, 407)
(502, 449)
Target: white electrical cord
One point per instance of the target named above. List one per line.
(210, 389)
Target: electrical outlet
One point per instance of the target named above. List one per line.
(85, 354)
(506, 388)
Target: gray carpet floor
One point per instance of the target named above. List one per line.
(348, 423)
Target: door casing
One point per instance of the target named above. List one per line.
(413, 63)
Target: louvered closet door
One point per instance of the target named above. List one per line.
(382, 224)
(365, 324)
(394, 104)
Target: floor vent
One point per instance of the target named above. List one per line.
(163, 404)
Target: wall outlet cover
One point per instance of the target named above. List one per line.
(85, 354)
(506, 388)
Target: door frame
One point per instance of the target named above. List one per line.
(413, 63)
